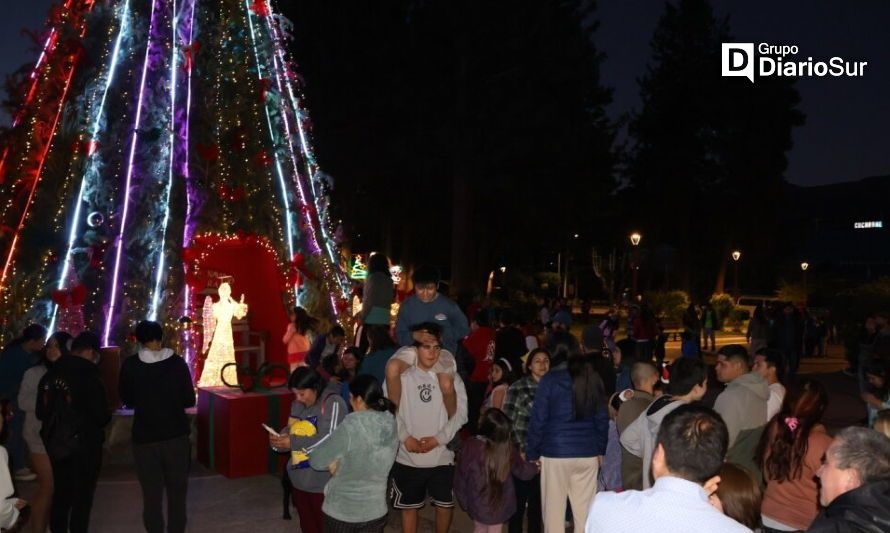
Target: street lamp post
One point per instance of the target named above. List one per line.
(565, 278)
(736, 255)
(635, 239)
(563, 286)
(803, 268)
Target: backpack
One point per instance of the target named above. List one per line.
(62, 429)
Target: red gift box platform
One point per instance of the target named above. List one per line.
(231, 438)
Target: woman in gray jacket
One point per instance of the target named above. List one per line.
(320, 405)
(359, 456)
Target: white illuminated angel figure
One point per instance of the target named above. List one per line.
(219, 337)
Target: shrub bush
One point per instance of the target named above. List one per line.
(723, 306)
(669, 305)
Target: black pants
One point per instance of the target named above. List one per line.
(475, 397)
(75, 483)
(332, 525)
(163, 466)
(527, 492)
(792, 360)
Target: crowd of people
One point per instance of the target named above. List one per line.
(566, 431)
(516, 420)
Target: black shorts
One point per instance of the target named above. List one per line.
(411, 486)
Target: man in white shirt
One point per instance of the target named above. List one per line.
(768, 363)
(689, 452)
(424, 466)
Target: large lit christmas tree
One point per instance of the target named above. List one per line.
(161, 144)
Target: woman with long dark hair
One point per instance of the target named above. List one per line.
(568, 434)
(739, 496)
(316, 412)
(57, 346)
(791, 452)
(381, 347)
(518, 407)
(483, 482)
(378, 292)
(500, 377)
(359, 455)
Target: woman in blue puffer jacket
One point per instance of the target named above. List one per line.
(568, 433)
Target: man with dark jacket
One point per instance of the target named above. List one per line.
(855, 484)
(509, 341)
(72, 405)
(592, 346)
(789, 335)
(157, 385)
(325, 345)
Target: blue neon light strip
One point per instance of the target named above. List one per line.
(94, 137)
(120, 238)
(159, 275)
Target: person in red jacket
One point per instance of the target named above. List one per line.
(480, 345)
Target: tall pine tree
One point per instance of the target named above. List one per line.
(707, 151)
(478, 116)
(156, 144)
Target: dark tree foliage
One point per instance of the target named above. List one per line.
(709, 153)
(459, 132)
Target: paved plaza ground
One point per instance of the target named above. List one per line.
(224, 505)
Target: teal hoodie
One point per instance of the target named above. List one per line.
(364, 445)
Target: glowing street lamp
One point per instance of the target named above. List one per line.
(803, 268)
(635, 239)
(736, 255)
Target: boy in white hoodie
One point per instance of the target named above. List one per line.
(688, 383)
(424, 465)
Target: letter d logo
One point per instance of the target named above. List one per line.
(738, 60)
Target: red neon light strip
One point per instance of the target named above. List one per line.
(49, 144)
(36, 182)
(44, 54)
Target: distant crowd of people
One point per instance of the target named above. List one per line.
(529, 423)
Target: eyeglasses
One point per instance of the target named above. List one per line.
(434, 347)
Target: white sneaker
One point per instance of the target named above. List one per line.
(25, 474)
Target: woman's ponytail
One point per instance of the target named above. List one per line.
(366, 387)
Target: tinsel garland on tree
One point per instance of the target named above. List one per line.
(152, 124)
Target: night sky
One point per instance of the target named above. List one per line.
(846, 136)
